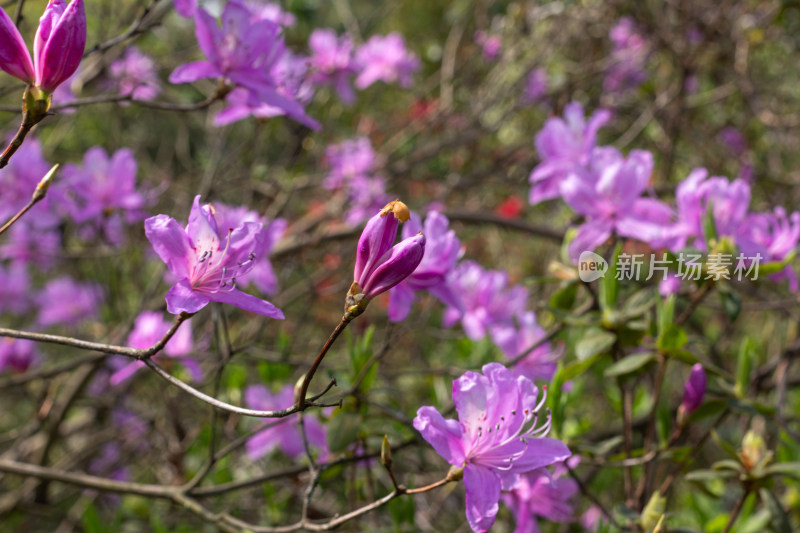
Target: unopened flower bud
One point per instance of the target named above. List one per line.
(59, 43)
(14, 57)
(386, 453)
(376, 239)
(395, 266)
(694, 391)
(754, 453)
(44, 183)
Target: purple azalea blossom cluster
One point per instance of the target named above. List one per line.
(148, 329)
(541, 494)
(134, 75)
(354, 167)
(628, 58)
(608, 190)
(385, 58)
(266, 80)
(496, 440)
(283, 434)
(249, 53)
(102, 195)
(772, 235)
(332, 62)
(207, 260)
(487, 305)
(564, 146)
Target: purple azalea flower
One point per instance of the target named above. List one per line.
(134, 74)
(729, 201)
(608, 196)
(485, 299)
(284, 433)
(348, 160)
(733, 140)
(540, 364)
(185, 8)
(354, 166)
(148, 329)
(540, 494)
(14, 289)
(491, 44)
(271, 11)
(262, 275)
(207, 265)
(694, 390)
(247, 51)
(628, 58)
(774, 236)
(30, 243)
(17, 355)
(65, 301)
(564, 145)
(495, 439)
(366, 195)
(103, 193)
(535, 86)
(442, 252)
(332, 62)
(57, 47)
(385, 58)
(291, 73)
(19, 179)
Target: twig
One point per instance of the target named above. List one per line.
(300, 401)
(140, 354)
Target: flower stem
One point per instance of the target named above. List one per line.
(301, 395)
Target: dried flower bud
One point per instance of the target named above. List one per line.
(398, 208)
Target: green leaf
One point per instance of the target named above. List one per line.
(629, 364)
(731, 303)
(91, 521)
(402, 511)
(609, 285)
(728, 464)
(791, 469)
(564, 298)
(730, 450)
(709, 227)
(779, 519)
(707, 409)
(574, 370)
(639, 304)
(666, 313)
(672, 339)
(748, 351)
(709, 475)
(595, 341)
(343, 430)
